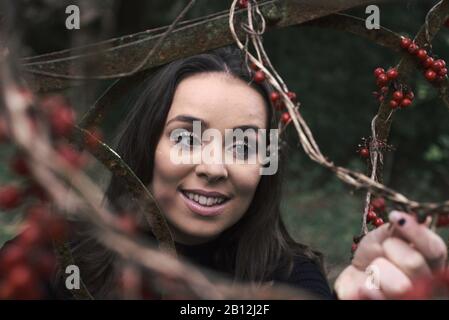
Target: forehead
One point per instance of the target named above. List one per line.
(219, 99)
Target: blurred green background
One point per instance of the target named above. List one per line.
(332, 73)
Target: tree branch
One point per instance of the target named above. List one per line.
(121, 55)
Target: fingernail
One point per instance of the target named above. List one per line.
(395, 217)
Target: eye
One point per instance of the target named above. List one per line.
(243, 149)
(187, 139)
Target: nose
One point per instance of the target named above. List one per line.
(213, 172)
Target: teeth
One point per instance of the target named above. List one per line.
(203, 200)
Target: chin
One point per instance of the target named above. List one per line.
(200, 232)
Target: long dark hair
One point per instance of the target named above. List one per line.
(254, 247)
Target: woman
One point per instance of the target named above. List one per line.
(243, 235)
(226, 216)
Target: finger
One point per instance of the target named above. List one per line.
(389, 278)
(366, 293)
(428, 243)
(349, 282)
(370, 247)
(403, 256)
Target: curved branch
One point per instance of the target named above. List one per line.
(121, 55)
(148, 207)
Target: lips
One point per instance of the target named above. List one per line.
(203, 202)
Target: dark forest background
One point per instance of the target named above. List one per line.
(332, 73)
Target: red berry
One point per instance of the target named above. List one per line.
(52, 102)
(393, 104)
(243, 3)
(398, 95)
(74, 158)
(57, 228)
(443, 220)
(364, 152)
(38, 214)
(285, 117)
(430, 75)
(428, 62)
(292, 96)
(378, 222)
(254, 66)
(10, 197)
(32, 236)
(378, 204)
(382, 80)
(275, 96)
(392, 74)
(413, 47)
(405, 42)
(19, 165)
(93, 138)
(437, 65)
(371, 216)
(259, 77)
(21, 281)
(442, 72)
(378, 72)
(421, 54)
(11, 256)
(62, 120)
(127, 224)
(45, 264)
(406, 102)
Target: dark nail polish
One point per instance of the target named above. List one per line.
(401, 222)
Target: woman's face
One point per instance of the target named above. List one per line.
(202, 199)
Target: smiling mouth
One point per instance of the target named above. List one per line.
(204, 201)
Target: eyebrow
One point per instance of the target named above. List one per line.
(246, 127)
(188, 119)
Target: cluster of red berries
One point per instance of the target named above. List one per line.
(401, 97)
(61, 120)
(376, 208)
(434, 69)
(275, 97)
(28, 262)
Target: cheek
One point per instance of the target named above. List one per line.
(246, 179)
(166, 174)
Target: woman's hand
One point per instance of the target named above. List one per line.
(390, 257)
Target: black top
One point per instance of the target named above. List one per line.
(305, 275)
